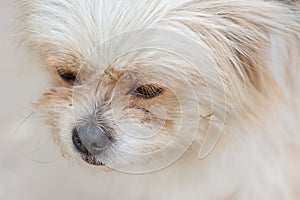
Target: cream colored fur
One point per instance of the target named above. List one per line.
(233, 66)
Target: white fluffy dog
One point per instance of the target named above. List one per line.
(204, 94)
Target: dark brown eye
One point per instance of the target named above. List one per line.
(67, 76)
(148, 91)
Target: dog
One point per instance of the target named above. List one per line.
(198, 97)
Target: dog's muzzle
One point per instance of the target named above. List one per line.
(90, 139)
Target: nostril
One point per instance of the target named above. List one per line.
(77, 142)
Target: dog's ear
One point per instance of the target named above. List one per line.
(239, 35)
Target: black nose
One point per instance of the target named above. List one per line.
(90, 139)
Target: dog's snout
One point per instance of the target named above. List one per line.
(91, 139)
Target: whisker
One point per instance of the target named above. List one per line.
(43, 162)
(23, 122)
(41, 146)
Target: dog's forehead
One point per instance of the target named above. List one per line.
(111, 75)
(86, 24)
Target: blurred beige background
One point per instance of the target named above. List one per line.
(31, 166)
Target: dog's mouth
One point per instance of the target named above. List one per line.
(85, 154)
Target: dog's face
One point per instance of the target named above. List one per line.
(135, 86)
(143, 105)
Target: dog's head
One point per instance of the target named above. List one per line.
(140, 105)
(137, 82)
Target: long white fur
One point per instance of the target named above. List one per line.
(257, 156)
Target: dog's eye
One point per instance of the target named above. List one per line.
(67, 76)
(148, 91)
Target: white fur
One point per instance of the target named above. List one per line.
(257, 154)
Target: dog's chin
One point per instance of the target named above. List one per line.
(91, 160)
